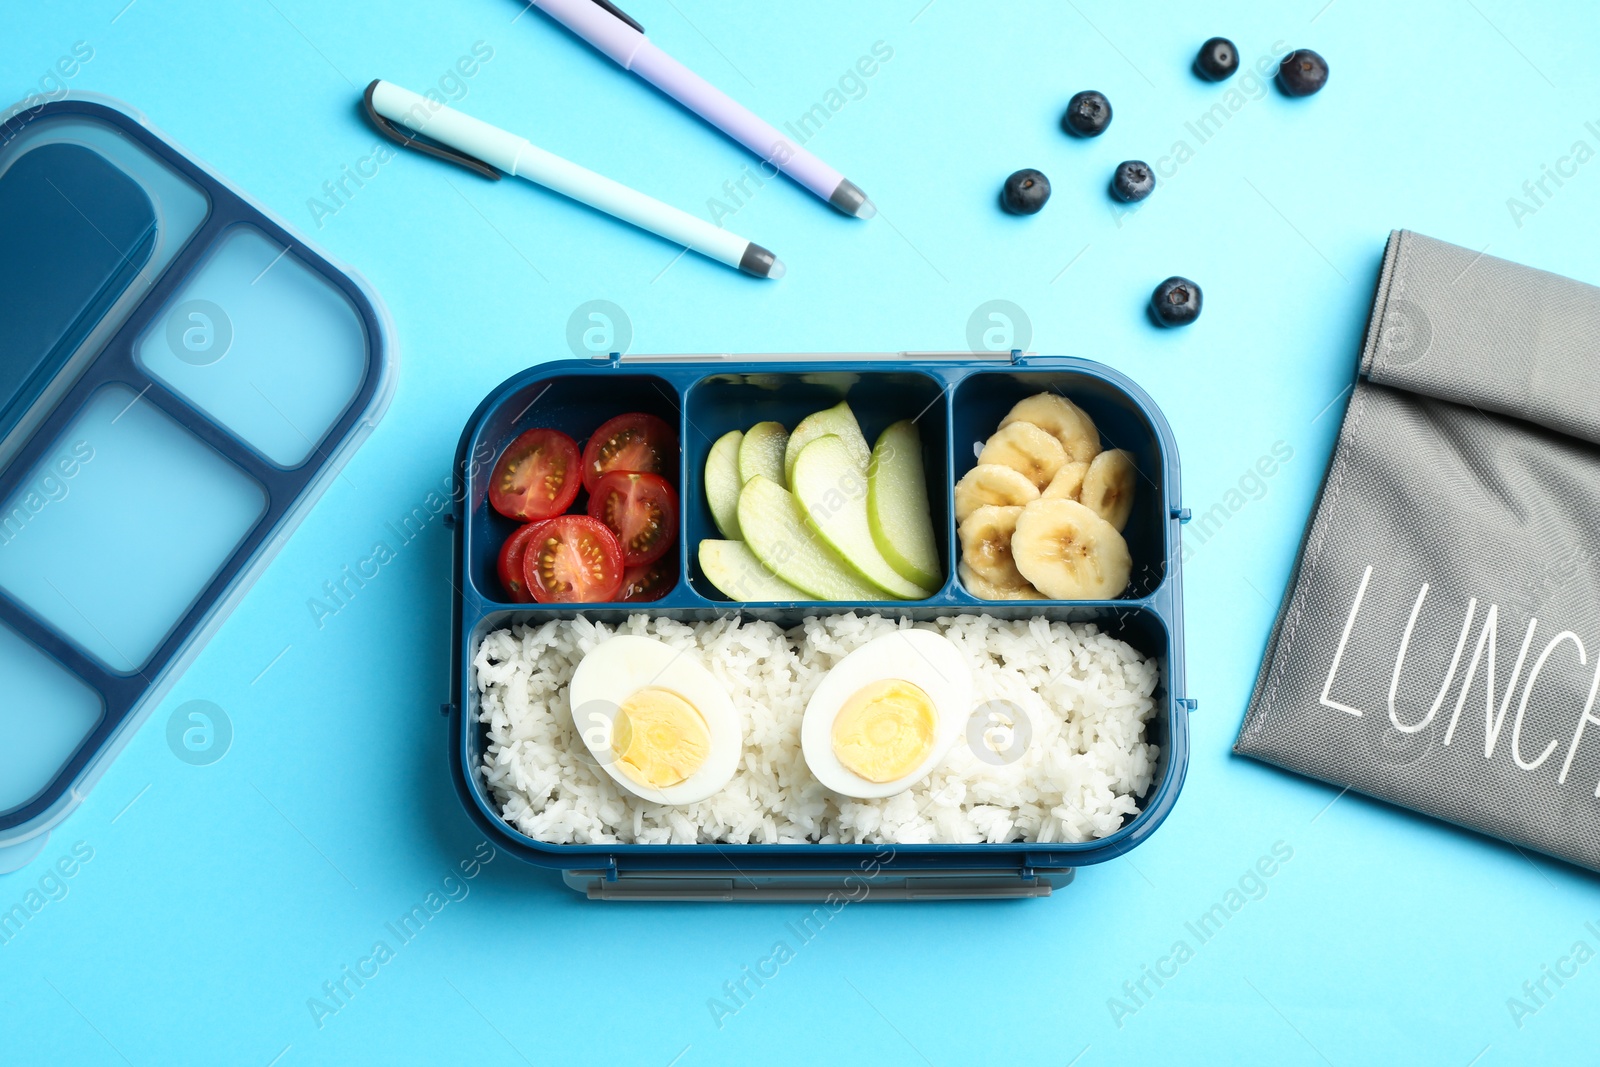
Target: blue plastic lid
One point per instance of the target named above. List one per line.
(172, 355)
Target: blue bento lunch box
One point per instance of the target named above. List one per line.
(961, 397)
(181, 375)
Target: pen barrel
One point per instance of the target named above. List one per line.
(522, 158)
(626, 203)
(596, 25)
(732, 117)
(629, 47)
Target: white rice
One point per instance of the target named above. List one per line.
(1087, 696)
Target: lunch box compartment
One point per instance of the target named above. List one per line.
(575, 404)
(719, 403)
(101, 217)
(982, 399)
(262, 345)
(1142, 627)
(958, 401)
(47, 713)
(123, 453)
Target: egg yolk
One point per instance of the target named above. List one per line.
(885, 730)
(660, 738)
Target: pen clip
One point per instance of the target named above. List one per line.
(406, 139)
(619, 13)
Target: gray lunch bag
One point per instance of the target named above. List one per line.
(1439, 646)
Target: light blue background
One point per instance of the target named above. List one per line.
(220, 898)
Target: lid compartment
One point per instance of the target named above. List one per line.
(45, 718)
(75, 231)
(128, 518)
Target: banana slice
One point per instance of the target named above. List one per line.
(1061, 419)
(990, 483)
(1068, 481)
(1068, 552)
(986, 545)
(1108, 486)
(1025, 448)
(984, 589)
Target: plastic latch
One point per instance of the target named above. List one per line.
(447, 709)
(1016, 356)
(1181, 514)
(1189, 703)
(1030, 860)
(449, 520)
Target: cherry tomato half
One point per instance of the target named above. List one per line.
(537, 476)
(509, 565)
(641, 509)
(650, 581)
(574, 559)
(632, 442)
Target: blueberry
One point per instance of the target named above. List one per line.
(1176, 302)
(1134, 180)
(1218, 59)
(1025, 192)
(1088, 114)
(1302, 73)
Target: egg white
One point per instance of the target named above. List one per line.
(923, 658)
(622, 666)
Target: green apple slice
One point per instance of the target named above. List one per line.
(735, 570)
(761, 452)
(723, 483)
(777, 533)
(832, 492)
(897, 506)
(838, 420)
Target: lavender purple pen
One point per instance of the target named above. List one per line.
(610, 30)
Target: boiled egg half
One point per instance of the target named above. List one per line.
(656, 720)
(886, 714)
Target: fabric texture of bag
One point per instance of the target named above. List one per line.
(1439, 646)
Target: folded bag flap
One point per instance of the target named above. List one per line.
(1462, 326)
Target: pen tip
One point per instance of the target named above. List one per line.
(760, 262)
(849, 198)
